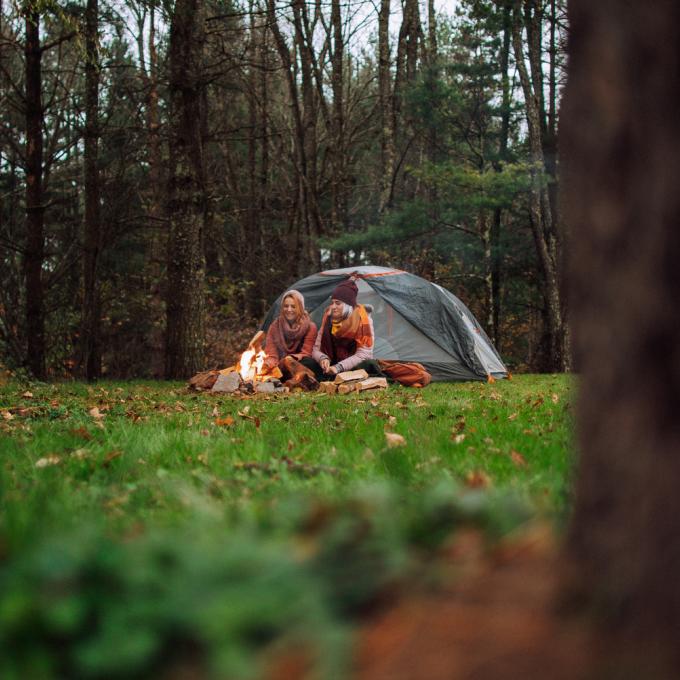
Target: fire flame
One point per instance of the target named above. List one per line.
(250, 364)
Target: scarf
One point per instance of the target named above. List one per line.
(289, 339)
(353, 332)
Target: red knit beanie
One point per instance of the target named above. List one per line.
(346, 291)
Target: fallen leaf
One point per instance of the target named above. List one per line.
(80, 454)
(82, 433)
(477, 479)
(7, 415)
(494, 395)
(555, 398)
(224, 422)
(112, 455)
(459, 426)
(94, 412)
(27, 395)
(391, 421)
(518, 459)
(394, 440)
(458, 438)
(513, 416)
(215, 413)
(48, 461)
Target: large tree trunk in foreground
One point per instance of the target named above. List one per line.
(621, 145)
(185, 334)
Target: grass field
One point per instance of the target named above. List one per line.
(135, 516)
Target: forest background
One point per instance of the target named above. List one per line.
(168, 168)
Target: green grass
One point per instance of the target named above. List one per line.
(157, 450)
(299, 491)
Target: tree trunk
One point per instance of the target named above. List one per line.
(541, 217)
(339, 185)
(386, 103)
(506, 103)
(300, 122)
(621, 150)
(309, 193)
(35, 208)
(91, 314)
(155, 211)
(185, 331)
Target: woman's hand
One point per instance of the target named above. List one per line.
(333, 370)
(325, 364)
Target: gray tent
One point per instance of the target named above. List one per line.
(414, 320)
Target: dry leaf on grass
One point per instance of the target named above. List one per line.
(7, 415)
(555, 398)
(518, 459)
(393, 440)
(110, 456)
(245, 416)
(95, 413)
(513, 416)
(82, 433)
(477, 479)
(47, 461)
(458, 438)
(224, 422)
(27, 395)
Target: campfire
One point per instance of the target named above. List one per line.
(249, 375)
(253, 377)
(250, 365)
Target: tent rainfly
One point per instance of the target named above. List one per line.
(414, 320)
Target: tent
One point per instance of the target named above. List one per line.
(414, 320)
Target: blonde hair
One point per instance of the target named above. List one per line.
(298, 300)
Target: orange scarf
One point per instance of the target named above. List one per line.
(353, 332)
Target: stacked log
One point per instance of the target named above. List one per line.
(352, 381)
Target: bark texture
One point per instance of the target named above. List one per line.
(91, 314)
(621, 146)
(185, 333)
(542, 216)
(386, 106)
(35, 205)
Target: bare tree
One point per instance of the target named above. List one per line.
(35, 204)
(185, 330)
(91, 313)
(544, 222)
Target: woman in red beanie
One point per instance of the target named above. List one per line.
(345, 338)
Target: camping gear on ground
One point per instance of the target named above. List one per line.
(407, 373)
(414, 321)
